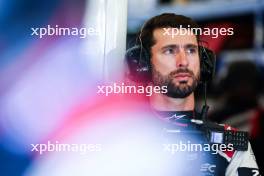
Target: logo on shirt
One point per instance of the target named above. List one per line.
(209, 168)
(176, 117)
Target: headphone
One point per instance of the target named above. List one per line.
(138, 63)
(139, 69)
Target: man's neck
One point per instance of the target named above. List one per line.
(162, 102)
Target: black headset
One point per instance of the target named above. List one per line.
(139, 67)
(138, 70)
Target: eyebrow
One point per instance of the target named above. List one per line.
(177, 46)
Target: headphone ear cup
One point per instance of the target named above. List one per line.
(207, 62)
(138, 64)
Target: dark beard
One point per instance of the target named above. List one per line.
(181, 91)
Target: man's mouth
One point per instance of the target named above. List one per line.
(182, 76)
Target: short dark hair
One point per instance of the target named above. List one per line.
(164, 20)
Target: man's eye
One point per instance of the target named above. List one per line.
(191, 50)
(169, 51)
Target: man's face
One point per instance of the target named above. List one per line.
(175, 63)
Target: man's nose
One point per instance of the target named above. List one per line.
(181, 59)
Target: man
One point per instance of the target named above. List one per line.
(173, 60)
